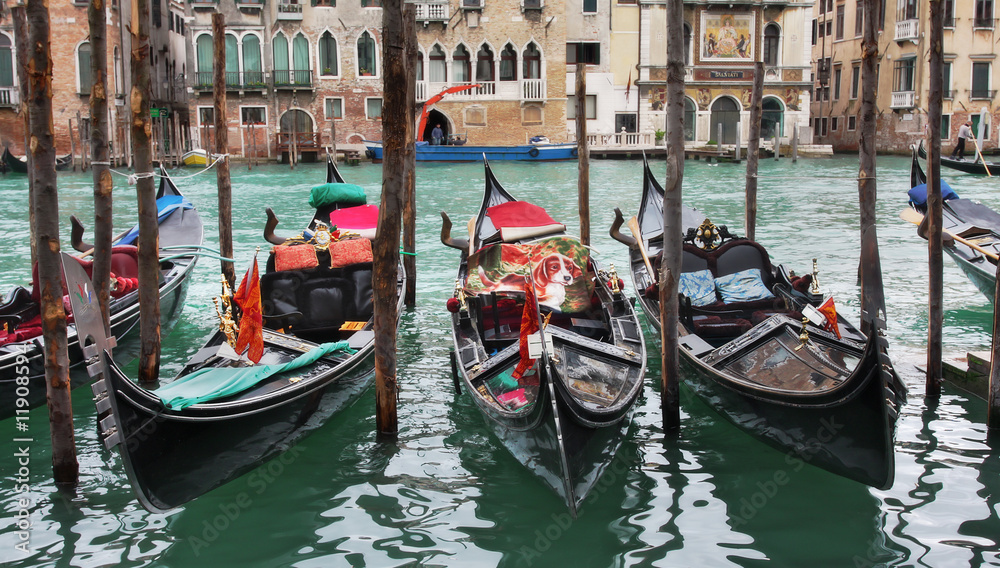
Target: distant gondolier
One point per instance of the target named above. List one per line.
(964, 133)
(437, 135)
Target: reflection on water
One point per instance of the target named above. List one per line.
(446, 494)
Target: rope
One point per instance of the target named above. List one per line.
(133, 178)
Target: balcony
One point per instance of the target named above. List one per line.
(432, 11)
(294, 79)
(9, 97)
(982, 94)
(289, 12)
(533, 90)
(908, 30)
(204, 4)
(532, 4)
(903, 99)
(235, 80)
(250, 4)
(472, 4)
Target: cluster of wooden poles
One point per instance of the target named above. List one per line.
(397, 211)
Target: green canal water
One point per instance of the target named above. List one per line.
(447, 494)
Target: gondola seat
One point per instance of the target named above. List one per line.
(318, 300)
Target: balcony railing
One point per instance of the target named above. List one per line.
(196, 4)
(432, 11)
(9, 97)
(903, 99)
(907, 29)
(288, 11)
(293, 79)
(982, 94)
(533, 89)
(304, 141)
(234, 80)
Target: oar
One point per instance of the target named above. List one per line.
(90, 251)
(915, 217)
(472, 235)
(633, 225)
(981, 159)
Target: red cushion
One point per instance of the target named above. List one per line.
(351, 251)
(295, 257)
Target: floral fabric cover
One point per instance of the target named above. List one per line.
(506, 267)
(699, 286)
(742, 286)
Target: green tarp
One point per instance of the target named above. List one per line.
(214, 383)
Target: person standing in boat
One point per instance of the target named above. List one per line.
(964, 133)
(437, 135)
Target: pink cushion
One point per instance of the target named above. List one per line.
(362, 219)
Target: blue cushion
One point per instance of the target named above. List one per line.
(699, 286)
(742, 286)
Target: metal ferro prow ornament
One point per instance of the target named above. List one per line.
(815, 283)
(708, 234)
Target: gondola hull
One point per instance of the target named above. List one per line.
(585, 383)
(845, 429)
(973, 166)
(173, 457)
(24, 360)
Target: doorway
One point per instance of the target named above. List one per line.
(725, 112)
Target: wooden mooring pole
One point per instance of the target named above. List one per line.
(396, 131)
(753, 150)
(222, 149)
(21, 40)
(410, 163)
(935, 260)
(72, 143)
(872, 294)
(149, 248)
(99, 126)
(65, 467)
(583, 153)
(670, 266)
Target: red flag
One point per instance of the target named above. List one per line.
(529, 325)
(830, 312)
(252, 322)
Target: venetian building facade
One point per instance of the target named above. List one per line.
(512, 50)
(721, 43)
(903, 88)
(71, 77)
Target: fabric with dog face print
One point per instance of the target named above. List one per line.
(555, 265)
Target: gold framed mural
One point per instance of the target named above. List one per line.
(726, 36)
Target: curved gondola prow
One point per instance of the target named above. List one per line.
(616, 232)
(332, 173)
(446, 238)
(494, 194)
(167, 186)
(917, 175)
(652, 200)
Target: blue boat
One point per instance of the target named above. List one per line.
(464, 153)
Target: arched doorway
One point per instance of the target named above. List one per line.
(725, 111)
(298, 123)
(772, 118)
(434, 118)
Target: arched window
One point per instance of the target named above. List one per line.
(83, 67)
(689, 119)
(279, 49)
(532, 62)
(119, 72)
(420, 66)
(772, 118)
(253, 74)
(438, 67)
(484, 64)
(460, 65)
(508, 63)
(687, 44)
(204, 60)
(232, 61)
(367, 62)
(328, 55)
(6, 64)
(771, 45)
(301, 75)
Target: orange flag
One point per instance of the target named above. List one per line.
(252, 322)
(529, 325)
(830, 312)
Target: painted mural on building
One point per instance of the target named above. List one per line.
(727, 37)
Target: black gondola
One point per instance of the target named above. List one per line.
(974, 166)
(566, 416)
(21, 355)
(822, 399)
(318, 316)
(971, 229)
(20, 164)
